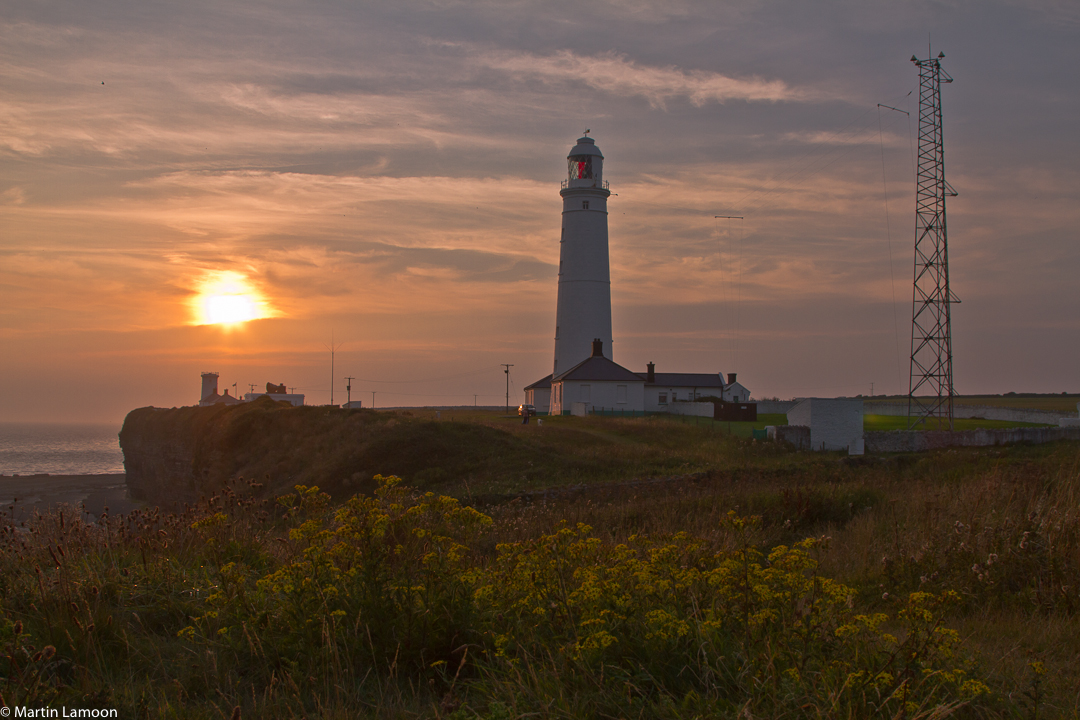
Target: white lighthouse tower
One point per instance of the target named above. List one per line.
(583, 313)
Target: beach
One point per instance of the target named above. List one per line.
(43, 492)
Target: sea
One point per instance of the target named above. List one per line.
(60, 449)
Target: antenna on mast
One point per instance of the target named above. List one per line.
(332, 348)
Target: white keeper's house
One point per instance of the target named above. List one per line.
(597, 382)
(584, 376)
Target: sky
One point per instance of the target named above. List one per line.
(383, 179)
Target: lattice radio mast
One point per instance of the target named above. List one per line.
(931, 324)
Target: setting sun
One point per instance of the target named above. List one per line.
(228, 298)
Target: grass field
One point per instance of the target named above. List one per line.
(1025, 401)
(899, 422)
(749, 580)
(1064, 403)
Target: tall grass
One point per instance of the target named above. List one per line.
(772, 584)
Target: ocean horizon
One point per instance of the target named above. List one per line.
(60, 449)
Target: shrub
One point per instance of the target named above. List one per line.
(672, 623)
(380, 582)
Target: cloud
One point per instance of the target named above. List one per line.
(617, 74)
(392, 170)
(13, 196)
(823, 137)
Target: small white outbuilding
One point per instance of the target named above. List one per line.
(835, 423)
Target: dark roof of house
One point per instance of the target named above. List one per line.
(698, 380)
(215, 399)
(540, 384)
(599, 368)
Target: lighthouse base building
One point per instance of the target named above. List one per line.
(599, 385)
(585, 378)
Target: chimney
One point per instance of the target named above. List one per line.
(650, 370)
(598, 348)
(731, 378)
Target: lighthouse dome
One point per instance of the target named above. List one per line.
(586, 146)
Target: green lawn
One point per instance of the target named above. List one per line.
(1027, 401)
(900, 422)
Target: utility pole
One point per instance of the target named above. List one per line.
(372, 399)
(348, 391)
(507, 371)
(474, 400)
(931, 322)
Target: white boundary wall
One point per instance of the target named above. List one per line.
(700, 409)
(774, 407)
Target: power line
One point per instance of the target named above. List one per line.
(724, 290)
(888, 239)
(811, 162)
(485, 369)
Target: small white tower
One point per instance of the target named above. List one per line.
(583, 313)
(209, 384)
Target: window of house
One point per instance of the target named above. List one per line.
(584, 204)
(674, 396)
(663, 399)
(620, 394)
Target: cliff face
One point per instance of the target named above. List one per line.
(173, 456)
(167, 452)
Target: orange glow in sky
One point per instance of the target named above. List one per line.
(227, 298)
(187, 187)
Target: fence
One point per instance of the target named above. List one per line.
(895, 441)
(617, 412)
